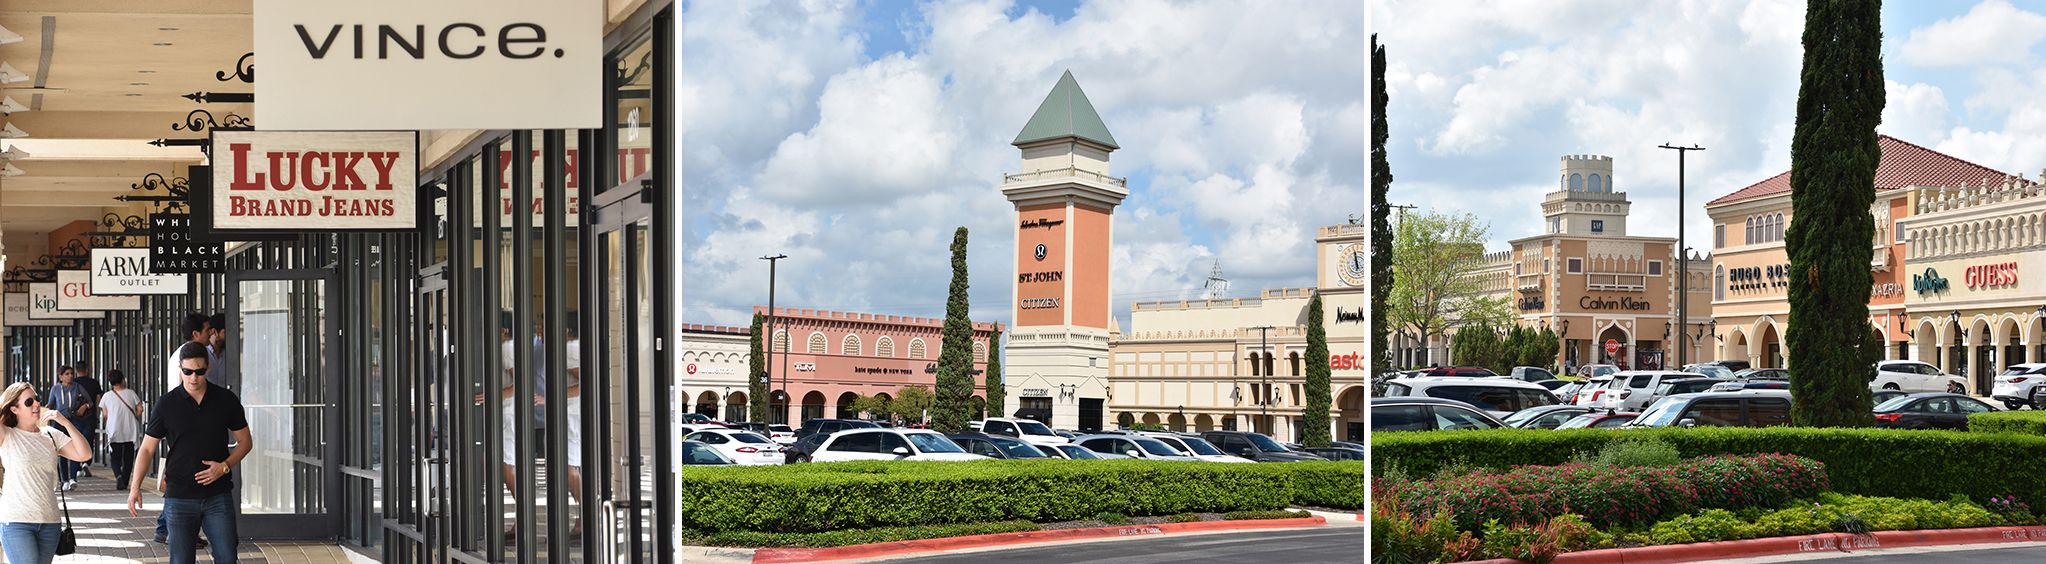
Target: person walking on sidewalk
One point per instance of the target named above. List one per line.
(69, 399)
(29, 447)
(88, 421)
(199, 329)
(196, 419)
(121, 408)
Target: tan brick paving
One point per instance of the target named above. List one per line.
(107, 534)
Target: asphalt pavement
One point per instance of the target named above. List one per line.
(1319, 545)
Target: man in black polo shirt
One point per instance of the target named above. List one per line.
(196, 420)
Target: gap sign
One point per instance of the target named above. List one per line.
(298, 181)
(126, 272)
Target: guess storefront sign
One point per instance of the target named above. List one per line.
(126, 272)
(42, 304)
(74, 293)
(1990, 275)
(301, 181)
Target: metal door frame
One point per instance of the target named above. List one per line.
(326, 525)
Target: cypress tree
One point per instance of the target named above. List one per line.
(756, 382)
(1833, 158)
(1315, 422)
(997, 391)
(955, 357)
(1381, 223)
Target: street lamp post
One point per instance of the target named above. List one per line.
(1264, 397)
(1683, 260)
(1960, 354)
(772, 262)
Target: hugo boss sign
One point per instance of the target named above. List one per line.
(314, 180)
(441, 64)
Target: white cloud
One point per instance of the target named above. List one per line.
(1992, 32)
(1915, 112)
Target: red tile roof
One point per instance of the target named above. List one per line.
(1903, 164)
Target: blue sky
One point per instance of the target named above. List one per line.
(854, 136)
(1487, 95)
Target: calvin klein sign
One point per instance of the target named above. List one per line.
(444, 64)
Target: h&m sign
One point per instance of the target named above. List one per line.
(301, 181)
(445, 64)
(126, 272)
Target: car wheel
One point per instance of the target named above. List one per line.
(2013, 405)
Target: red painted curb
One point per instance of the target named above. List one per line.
(776, 555)
(1827, 542)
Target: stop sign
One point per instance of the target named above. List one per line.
(1612, 346)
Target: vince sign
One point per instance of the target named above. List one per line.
(445, 64)
(42, 304)
(315, 180)
(74, 293)
(126, 272)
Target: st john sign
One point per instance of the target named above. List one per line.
(298, 181)
(126, 272)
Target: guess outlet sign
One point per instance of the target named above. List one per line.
(42, 304)
(126, 272)
(74, 293)
(299, 181)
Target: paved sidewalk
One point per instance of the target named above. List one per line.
(106, 533)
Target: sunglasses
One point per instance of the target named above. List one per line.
(194, 371)
(29, 401)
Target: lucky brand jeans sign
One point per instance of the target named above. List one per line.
(281, 181)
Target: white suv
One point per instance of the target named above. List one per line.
(890, 444)
(1633, 390)
(1024, 429)
(2021, 385)
(1913, 376)
(1497, 396)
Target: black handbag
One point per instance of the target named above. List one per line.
(67, 540)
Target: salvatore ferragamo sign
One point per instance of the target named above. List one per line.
(298, 181)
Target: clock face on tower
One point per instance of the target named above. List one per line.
(1351, 263)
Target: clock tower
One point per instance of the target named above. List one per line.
(1057, 354)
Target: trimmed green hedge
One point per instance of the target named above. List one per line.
(2029, 422)
(1875, 462)
(859, 495)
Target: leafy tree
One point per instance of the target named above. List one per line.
(1381, 222)
(997, 390)
(1833, 158)
(1542, 350)
(911, 403)
(1126, 420)
(875, 406)
(1477, 345)
(1431, 258)
(756, 364)
(955, 357)
(1315, 421)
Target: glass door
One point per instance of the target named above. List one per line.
(281, 323)
(628, 393)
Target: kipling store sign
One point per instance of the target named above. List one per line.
(296, 181)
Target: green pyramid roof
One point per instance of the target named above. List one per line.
(1066, 113)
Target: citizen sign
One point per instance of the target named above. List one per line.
(315, 181)
(443, 64)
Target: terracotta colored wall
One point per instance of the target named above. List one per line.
(1054, 240)
(1090, 263)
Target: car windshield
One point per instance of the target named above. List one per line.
(2016, 371)
(1017, 449)
(1894, 404)
(1034, 428)
(1604, 370)
(1201, 447)
(699, 453)
(749, 437)
(1264, 443)
(1156, 447)
(1077, 453)
(1661, 414)
(932, 442)
(1524, 415)
(1579, 422)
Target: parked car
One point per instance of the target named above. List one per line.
(1553, 384)
(744, 447)
(1915, 376)
(778, 432)
(1593, 392)
(1254, 446)
(1599, 420)
(1544, 417)
(1881, 396)
(1068, 452)
(1534, 374)
(890, 444)
(694, 453)
(1746, 408)
(1674, 386)
(1729, 365)
(1029, 431)
(700, 419)
(1929, 411)
(1459, 371)
(1333, 453)
(1568, 392)
(1427, 414)
(1713, 370)
(1738, 385)
(995, 446)
(829, 426)
(1133, 446)
(1590, 371)
(2021, 385)
(1634, 389)
(1763, 374)
(1194, 446)
(1346, 444)
(800, 451)
(1498, 396)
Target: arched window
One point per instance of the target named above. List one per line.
(1293, 358)
(781, 341)
(1595, 185)
(1778, 225)
(979, 352)
(1749, 237)
(916, 348)
(817, 343)
(851, 347)
(1576, 183)
(884, 348)
(1719, 282)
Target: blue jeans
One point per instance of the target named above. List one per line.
(185, 517)
(30, 543)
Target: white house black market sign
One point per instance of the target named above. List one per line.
(1625, 303)
(127, 272)
(172, 250)
(300, 181)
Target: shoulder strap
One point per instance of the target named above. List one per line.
(66, 499)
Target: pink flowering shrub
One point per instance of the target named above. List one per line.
(1610, 495)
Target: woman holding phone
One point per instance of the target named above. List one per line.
(29, 447)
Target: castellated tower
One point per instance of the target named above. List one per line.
(1585, 202)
